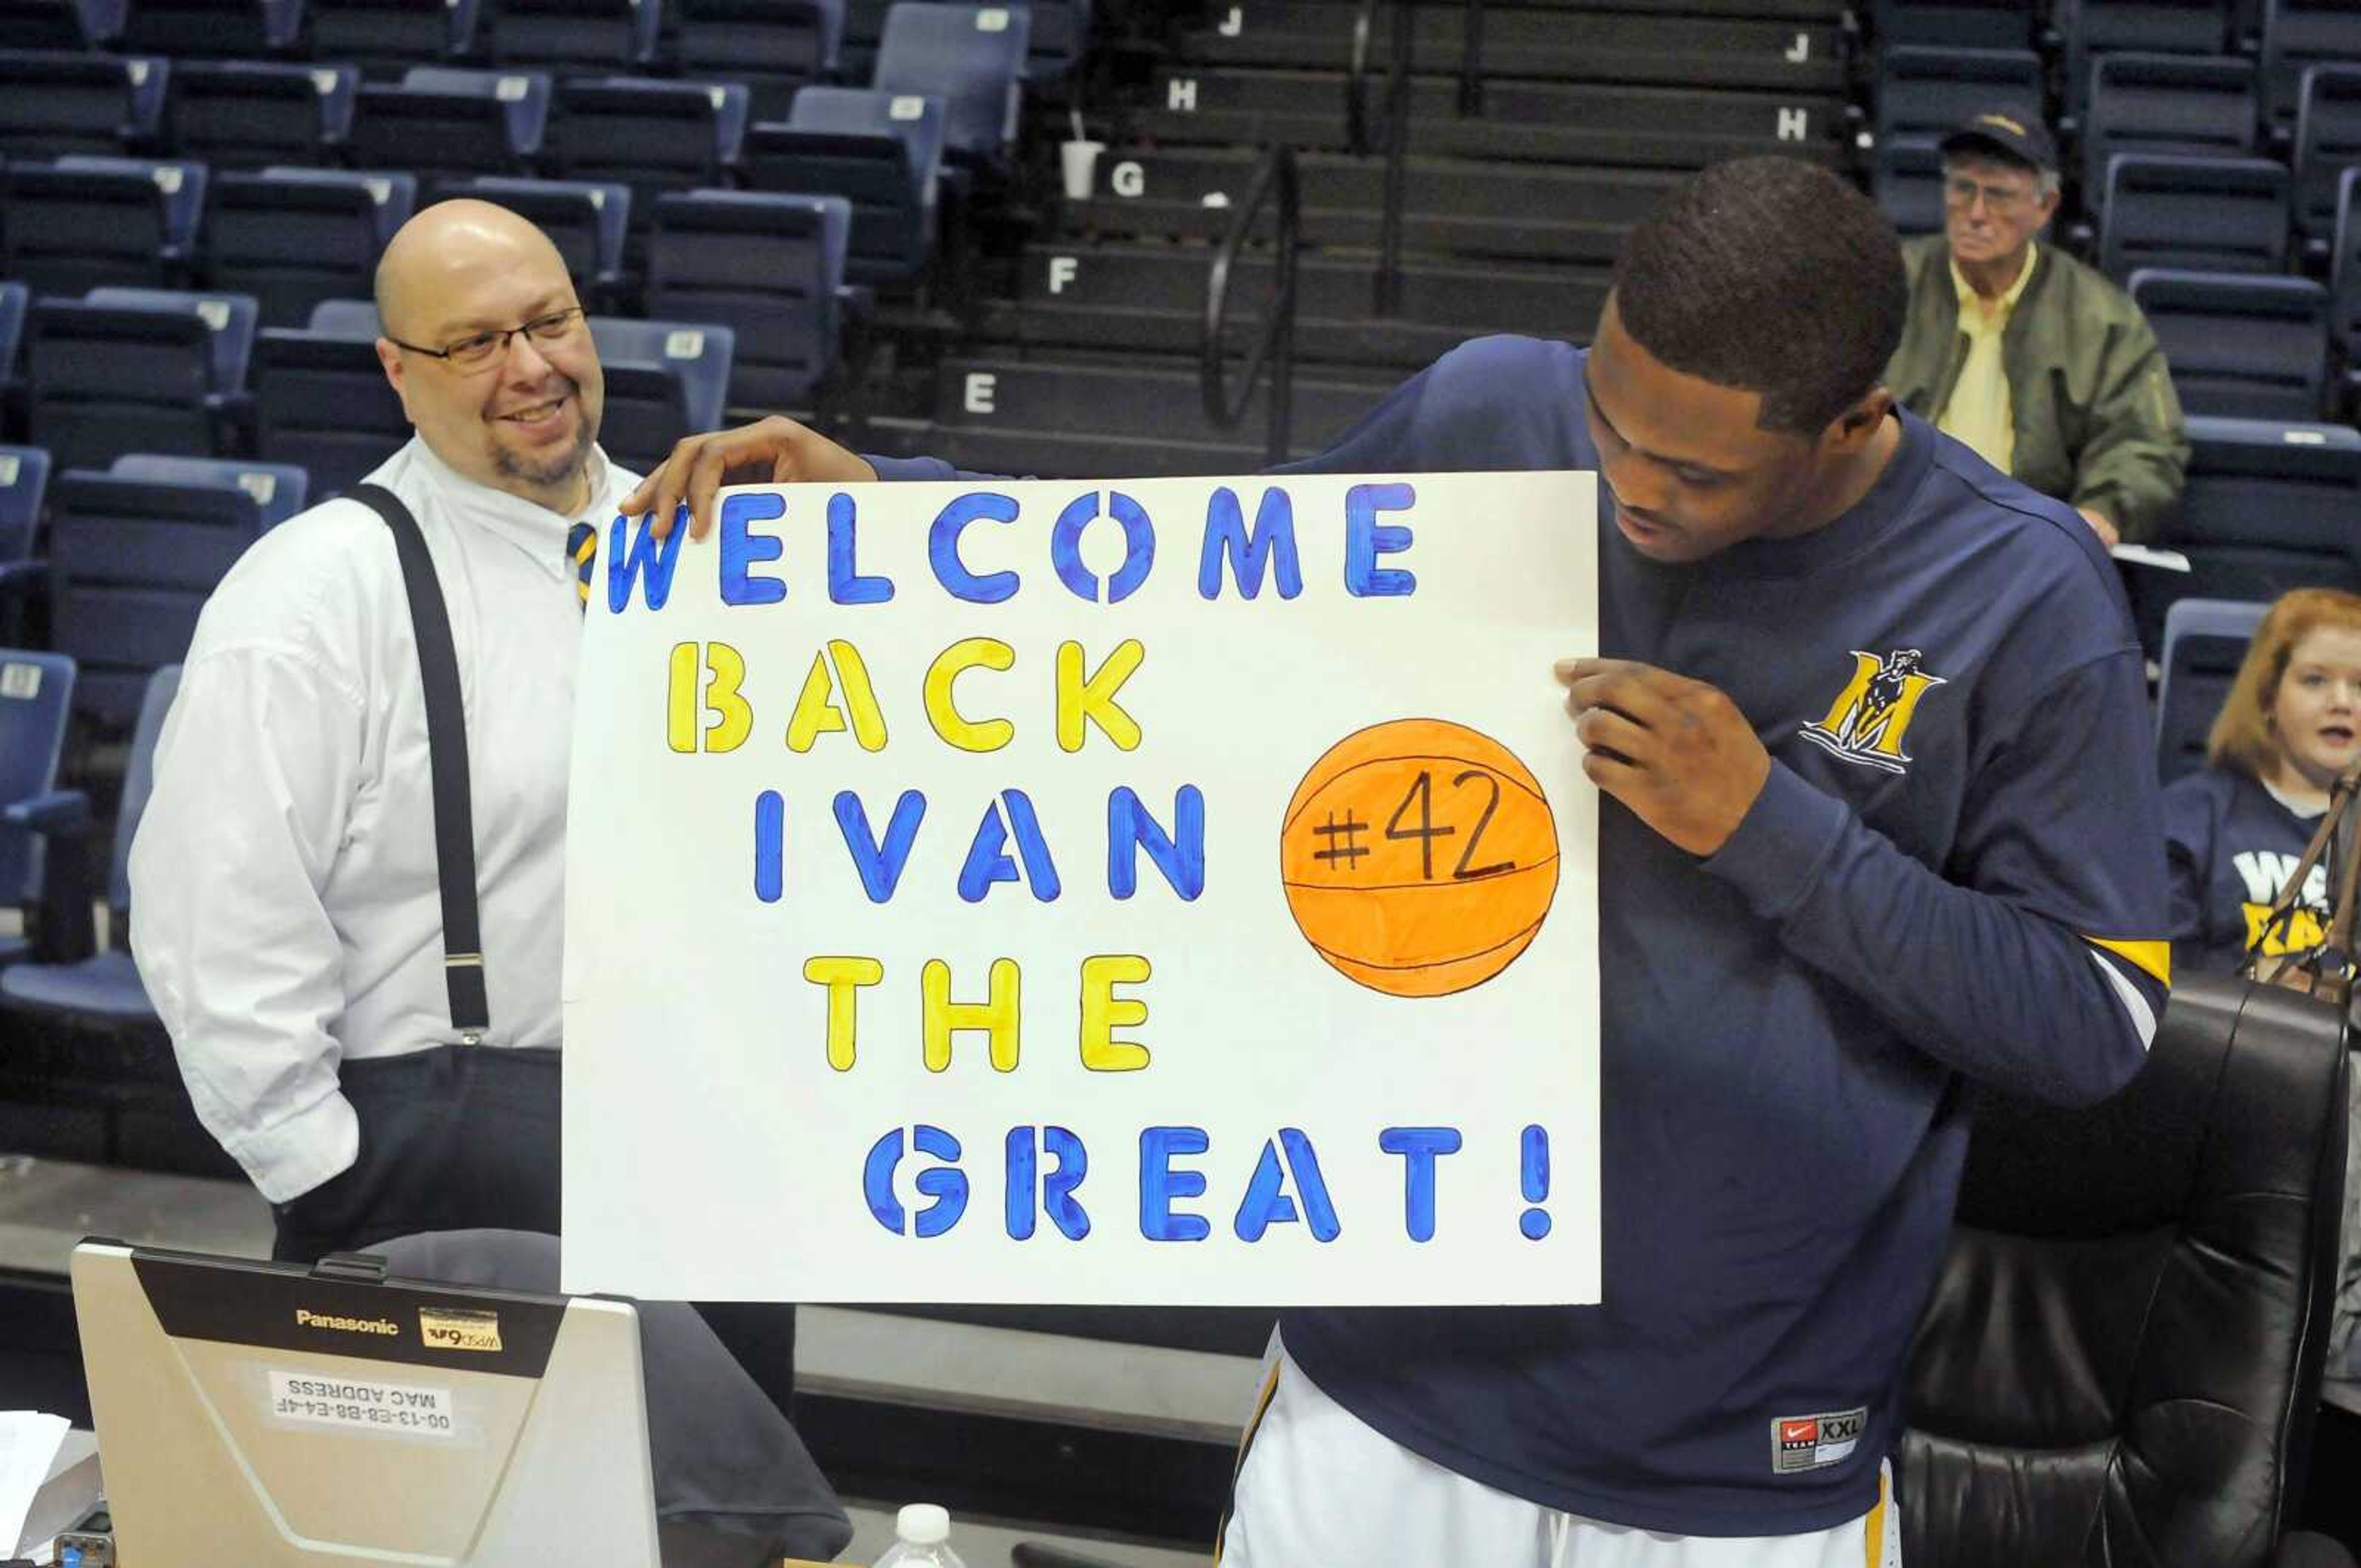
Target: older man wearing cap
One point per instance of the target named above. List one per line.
(2038, 362)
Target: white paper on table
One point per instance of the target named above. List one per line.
(2144, 555)
(29, 1441)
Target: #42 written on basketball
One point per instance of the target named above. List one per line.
(1169, 890)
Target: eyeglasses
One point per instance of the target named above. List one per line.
(479, 350)
(1961, 192)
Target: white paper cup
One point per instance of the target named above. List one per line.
(1079, 161)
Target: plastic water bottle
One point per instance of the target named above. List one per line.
(921, 1536)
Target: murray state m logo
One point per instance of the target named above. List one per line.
(1869, 718)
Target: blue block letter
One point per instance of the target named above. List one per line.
(1366, 538)
(1273, 535)
(1160, 1184)
(1419, 1146)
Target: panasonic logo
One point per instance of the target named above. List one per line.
(308, 1320)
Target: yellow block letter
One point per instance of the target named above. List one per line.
(843, 978)
(990, 735)
(1103, 1013)
(816, 714)
(732, 717)
(1094, 699)
(997, 1017)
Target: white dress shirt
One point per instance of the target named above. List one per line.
(284, 912)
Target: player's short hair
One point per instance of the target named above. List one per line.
(2242, 736)
(1773, 276)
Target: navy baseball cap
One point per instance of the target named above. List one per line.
(2015, 133)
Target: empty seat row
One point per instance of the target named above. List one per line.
(773, 46)
(2287, 36)
(249, 113)
(132, 550)
(761, 319)
(292, 236)
(2269, 505)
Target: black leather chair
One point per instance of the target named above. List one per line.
(2120, 1361)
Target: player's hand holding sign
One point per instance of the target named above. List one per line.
(1676, 751)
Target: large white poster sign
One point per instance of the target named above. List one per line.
(1166, 891)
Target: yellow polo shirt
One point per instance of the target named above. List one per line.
(1979, 413)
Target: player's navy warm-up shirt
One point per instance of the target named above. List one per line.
(1955, 865)
(2233, 844)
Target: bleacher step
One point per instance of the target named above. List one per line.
(1581, 46)
(1436, 292)
(1126, 401)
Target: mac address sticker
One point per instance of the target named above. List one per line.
(353, 1404)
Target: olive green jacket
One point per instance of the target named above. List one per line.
(2098, 423)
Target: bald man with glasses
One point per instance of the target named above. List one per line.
(290, 875)
(2043, 366)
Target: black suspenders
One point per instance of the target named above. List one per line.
(446, 746)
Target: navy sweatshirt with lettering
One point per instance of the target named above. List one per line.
(2233, 844)
(1955, 867)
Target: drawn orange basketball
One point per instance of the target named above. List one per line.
(1419, 856)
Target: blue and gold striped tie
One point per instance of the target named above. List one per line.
(582, 549)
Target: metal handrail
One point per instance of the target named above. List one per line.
(1277, 344)
(1471, 62)
(1357, 112)
(1387, 298)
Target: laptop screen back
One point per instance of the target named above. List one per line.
(255, 1413)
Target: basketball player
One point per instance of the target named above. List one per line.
(1873, 728)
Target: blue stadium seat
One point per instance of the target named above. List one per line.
(972, 57)
(2268, 505)
(131, 564)
(2344, 274)
(664, 380)
(441, 120)
(586, 219)
(881, 151)
(245, 114)
(769, 267)
(85, 219)
(2204, 641)
(2241, 347)
(2166, 104)
(24, 485)
(62, 25)
(2298, 35)
(653, 136)
(1951, 24)
(2213, 215)
(104, 989)
(280, 489)
(137, 371)
(2095, 27)
(23, 479)
(193, 29)
(14, 297)
(1057, 39)
(53, 103)
(567, 36)
(36, 701)
(1925, 93)
(864, 25)
(348, 321)
(771, 46)
(1907, 178)
(321, 400)
(386, 38)
(293, 238)
(2327, 143)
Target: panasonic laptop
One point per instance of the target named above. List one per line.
(253, 1415)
